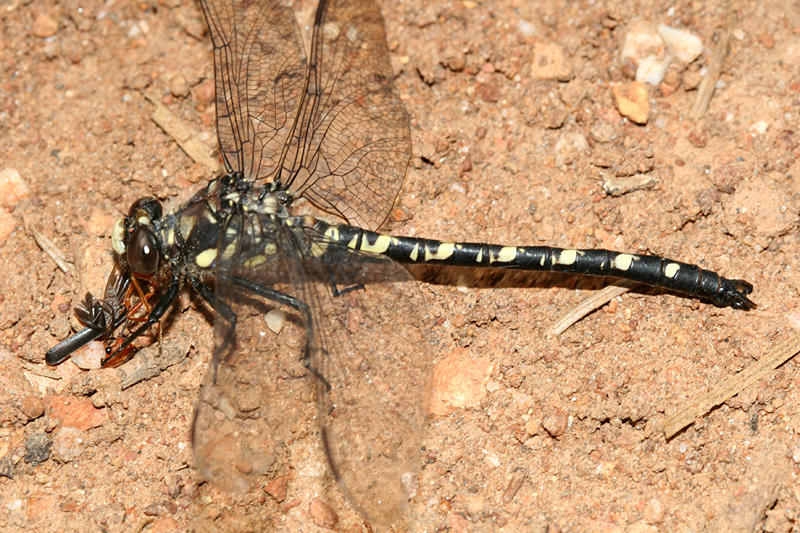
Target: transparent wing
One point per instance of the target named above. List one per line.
(375, 354)
(260, 71)
(368, 364)
(351, 146)
(248, 403)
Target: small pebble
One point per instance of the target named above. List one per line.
(631, 101)
(684, 45)
(275, 320)
(760, 127)
(68, 444)
(138, 82)
(570, 146)
(488, 92)
(12, 188)
(603, 132)
(550, 62)
(526, 28)
(178, 86)
(641, 40)
(691, 79)
(532, 425)
(77, 412)
(652, 69)
(32, 407)
(51, 49)
(555, 422)
(44, 26)
(456, 61)
(618, 186)
(698, 138)
(277, 488)
(767, 41)
(37, 449)
(322, 514)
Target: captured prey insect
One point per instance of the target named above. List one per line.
(329, 130)
(102, 318)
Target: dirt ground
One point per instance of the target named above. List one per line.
(515, 130)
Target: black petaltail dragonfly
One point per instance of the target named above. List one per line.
(327, 128)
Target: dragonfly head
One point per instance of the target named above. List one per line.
(134, 239)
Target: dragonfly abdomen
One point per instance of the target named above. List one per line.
(647, 269)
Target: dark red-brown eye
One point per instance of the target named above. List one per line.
(142, 252)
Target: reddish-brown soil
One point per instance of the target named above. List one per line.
(565, 433)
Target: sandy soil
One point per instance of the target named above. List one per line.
(564, 433)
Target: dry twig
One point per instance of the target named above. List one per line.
(185, 136)
(734, 385)
(706, 89)
(595, 301)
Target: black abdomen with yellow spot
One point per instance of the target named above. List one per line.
(647, 269)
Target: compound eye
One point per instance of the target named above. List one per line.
(142, 252)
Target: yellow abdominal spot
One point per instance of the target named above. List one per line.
(506, 254)
(414, 253)
(567, 257)
(380, 245)
(671, 270)
(622, 262)
(443, 251)
(332, 233)
(318, 248)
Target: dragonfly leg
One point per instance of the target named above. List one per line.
(294, 303)
(155, 315)
(338, 292)
(224, 311)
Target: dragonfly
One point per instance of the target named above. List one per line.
(322, 133)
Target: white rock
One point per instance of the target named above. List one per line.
(275, 320)
(526, 28)
(759, 127)
(641, 40)
(684, 45)
(652, 69)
